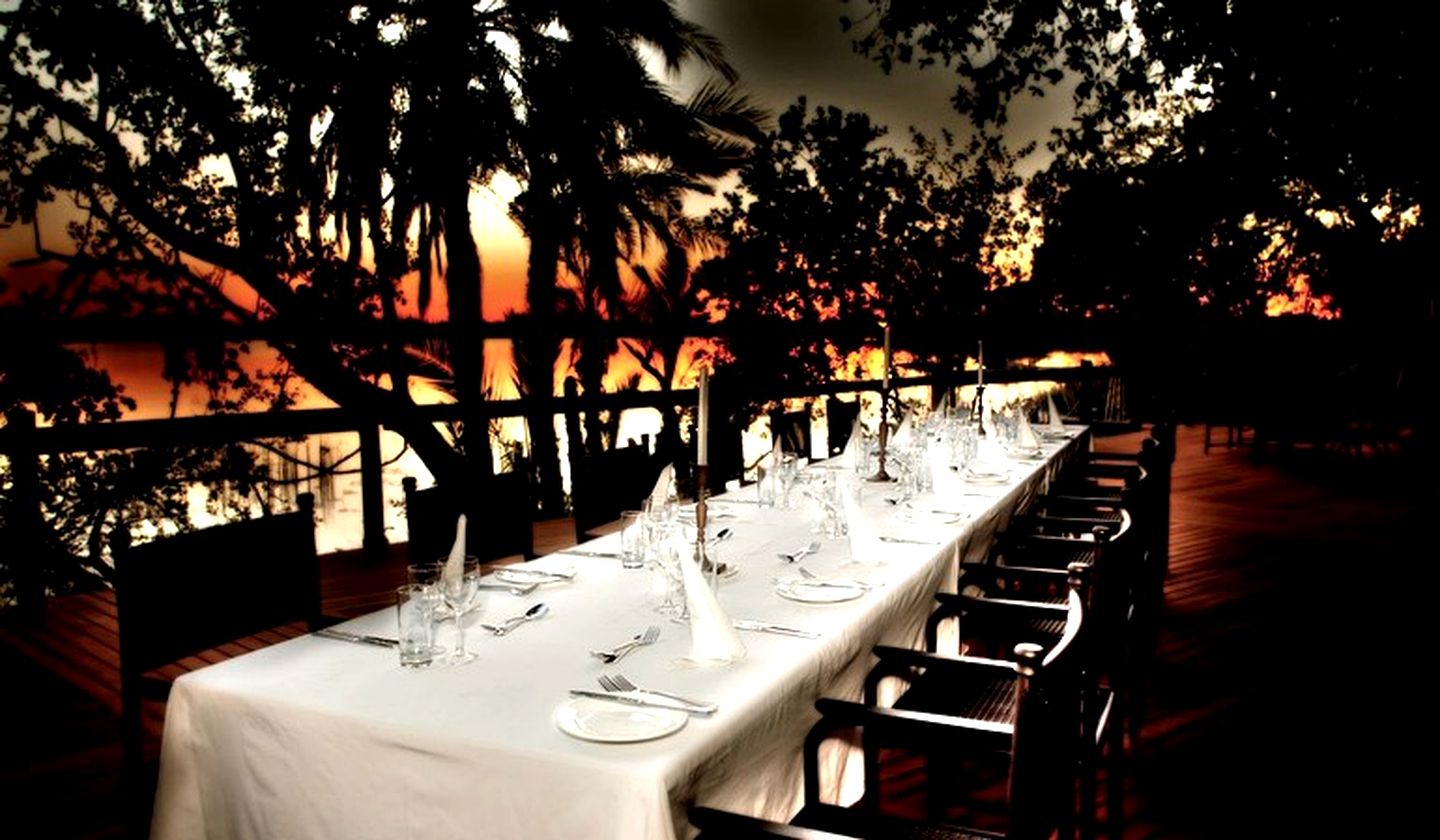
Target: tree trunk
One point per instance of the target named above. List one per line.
(537, 373)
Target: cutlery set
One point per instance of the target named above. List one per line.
(511, 623)
(345, 636)
(796, 556)
(769, 627)
(618, 689)
(811, 579)
(614, 654)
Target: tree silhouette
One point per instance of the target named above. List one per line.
(298, 175)
(1234, 124)
(833, 231)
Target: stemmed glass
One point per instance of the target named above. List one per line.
(459, 593)
(662, 556)
(787, 472)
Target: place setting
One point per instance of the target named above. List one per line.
(621, 712)
(537, 572)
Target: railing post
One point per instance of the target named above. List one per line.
(574, 436)
(26, 522)
(372, 494)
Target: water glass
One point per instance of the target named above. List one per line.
(415, 612)
(632, 539)
(765, 481)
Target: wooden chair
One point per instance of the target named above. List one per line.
(608, 483)
(1120, 598)
(1036, 732)
(499, 519)
(186, 594)
(1002, 607)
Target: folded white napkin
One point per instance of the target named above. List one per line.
(664, 487)
(712, 634)
(1024, 435)
(852, 453)
(864, 538)
(902, 432)
(774, 457)
(989, 458)
(455, 563)
(1054, 423)
(945, 483)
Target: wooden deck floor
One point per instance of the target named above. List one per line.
(1284, 700)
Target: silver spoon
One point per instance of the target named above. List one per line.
(511, 623)
(813, 547)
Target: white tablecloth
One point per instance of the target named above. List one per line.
(316, 738)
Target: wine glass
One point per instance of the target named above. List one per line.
(459, 592)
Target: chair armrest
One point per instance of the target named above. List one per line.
(924, 730)
(904, 663)
(987, 577)
(726, 824)
(1015, 609)
(1094, 496)
(1046, 524)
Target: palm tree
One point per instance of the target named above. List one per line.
(586, 97)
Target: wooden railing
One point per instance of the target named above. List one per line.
(23, 441)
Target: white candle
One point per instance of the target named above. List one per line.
(885, 375)
(980, 366)
(702, 423)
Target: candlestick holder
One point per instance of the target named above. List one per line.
(880, 473)
(710, 570)
(979, 411)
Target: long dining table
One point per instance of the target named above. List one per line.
(320, 738)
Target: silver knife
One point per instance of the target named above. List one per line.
(642, 698)
(341, 635)
(890, 539)
(777, 629)
(576, 552)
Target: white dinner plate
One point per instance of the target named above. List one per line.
(591, 719)
(811, 593)
(987, 478)
(930, 517)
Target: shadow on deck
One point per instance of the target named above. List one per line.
(1283, 702)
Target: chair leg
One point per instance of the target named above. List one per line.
(1115, 780)
(1089, 768)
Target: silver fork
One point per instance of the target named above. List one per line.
(795, 557)
(651, 634)
(618, 682)
(513, 589)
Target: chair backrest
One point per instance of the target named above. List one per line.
(184, 594)
(605, 484)
(839, 423)
(792, 430)
(498, 511)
